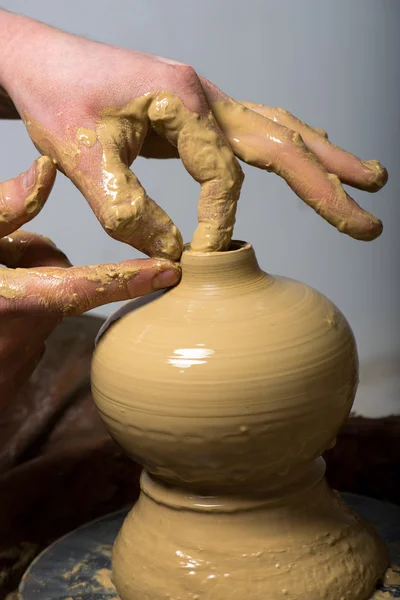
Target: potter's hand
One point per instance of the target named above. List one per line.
(93, 108)
(39, 287)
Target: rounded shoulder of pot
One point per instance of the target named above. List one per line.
(125, 309)
(268, 314)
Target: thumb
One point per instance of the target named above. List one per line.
(76, 290)
(23, 197)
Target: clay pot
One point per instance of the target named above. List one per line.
(227, 389)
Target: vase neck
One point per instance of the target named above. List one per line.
(235, 267)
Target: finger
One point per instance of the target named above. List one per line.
(53, 290)
(368, 175)
(23, 197)
(284, 117)
(98, 163)
(270, 146)
(20, 352)
(12, 339)
(130, 215)
(25, 249)
(208, 158)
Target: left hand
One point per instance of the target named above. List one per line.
(40, 286)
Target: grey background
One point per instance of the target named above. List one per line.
(333, 63)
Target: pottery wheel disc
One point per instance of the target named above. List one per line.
(78, 565)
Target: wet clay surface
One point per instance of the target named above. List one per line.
(317, 140)
(79, 566)
(227, 389)
(251, 136)
(81, 477)
(204, 330)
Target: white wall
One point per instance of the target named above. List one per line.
(335, 64)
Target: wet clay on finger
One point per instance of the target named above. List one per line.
(228, 389)
(97, 158)
(271, 146)
(97, 155)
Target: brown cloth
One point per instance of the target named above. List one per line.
(60, 469)
(58, 466)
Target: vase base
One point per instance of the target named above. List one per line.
(306, 545)
(81, 561)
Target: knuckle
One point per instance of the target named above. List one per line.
(185, 72)
(186, 79)
(72, 299)
(119, 220)
(235, 181)
(283, 112)
(224, 167)
(295, 139)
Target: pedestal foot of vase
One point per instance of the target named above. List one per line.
(175, 545)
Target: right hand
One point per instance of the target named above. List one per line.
(94, 108)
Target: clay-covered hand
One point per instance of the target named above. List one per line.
(94, 108)
(39, 286)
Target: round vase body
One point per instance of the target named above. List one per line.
(227, 389)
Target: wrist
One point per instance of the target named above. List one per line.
(15, 34)
(8, 36)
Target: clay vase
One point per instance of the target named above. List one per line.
(228, 389)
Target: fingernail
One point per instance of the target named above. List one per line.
(380, 174)
(165, 279)
(372, 165)
(29, 178)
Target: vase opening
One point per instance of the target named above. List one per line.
(220, 270)
(235, 246)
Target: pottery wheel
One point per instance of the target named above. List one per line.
(78, 566)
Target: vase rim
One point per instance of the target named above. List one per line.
(236, 247)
